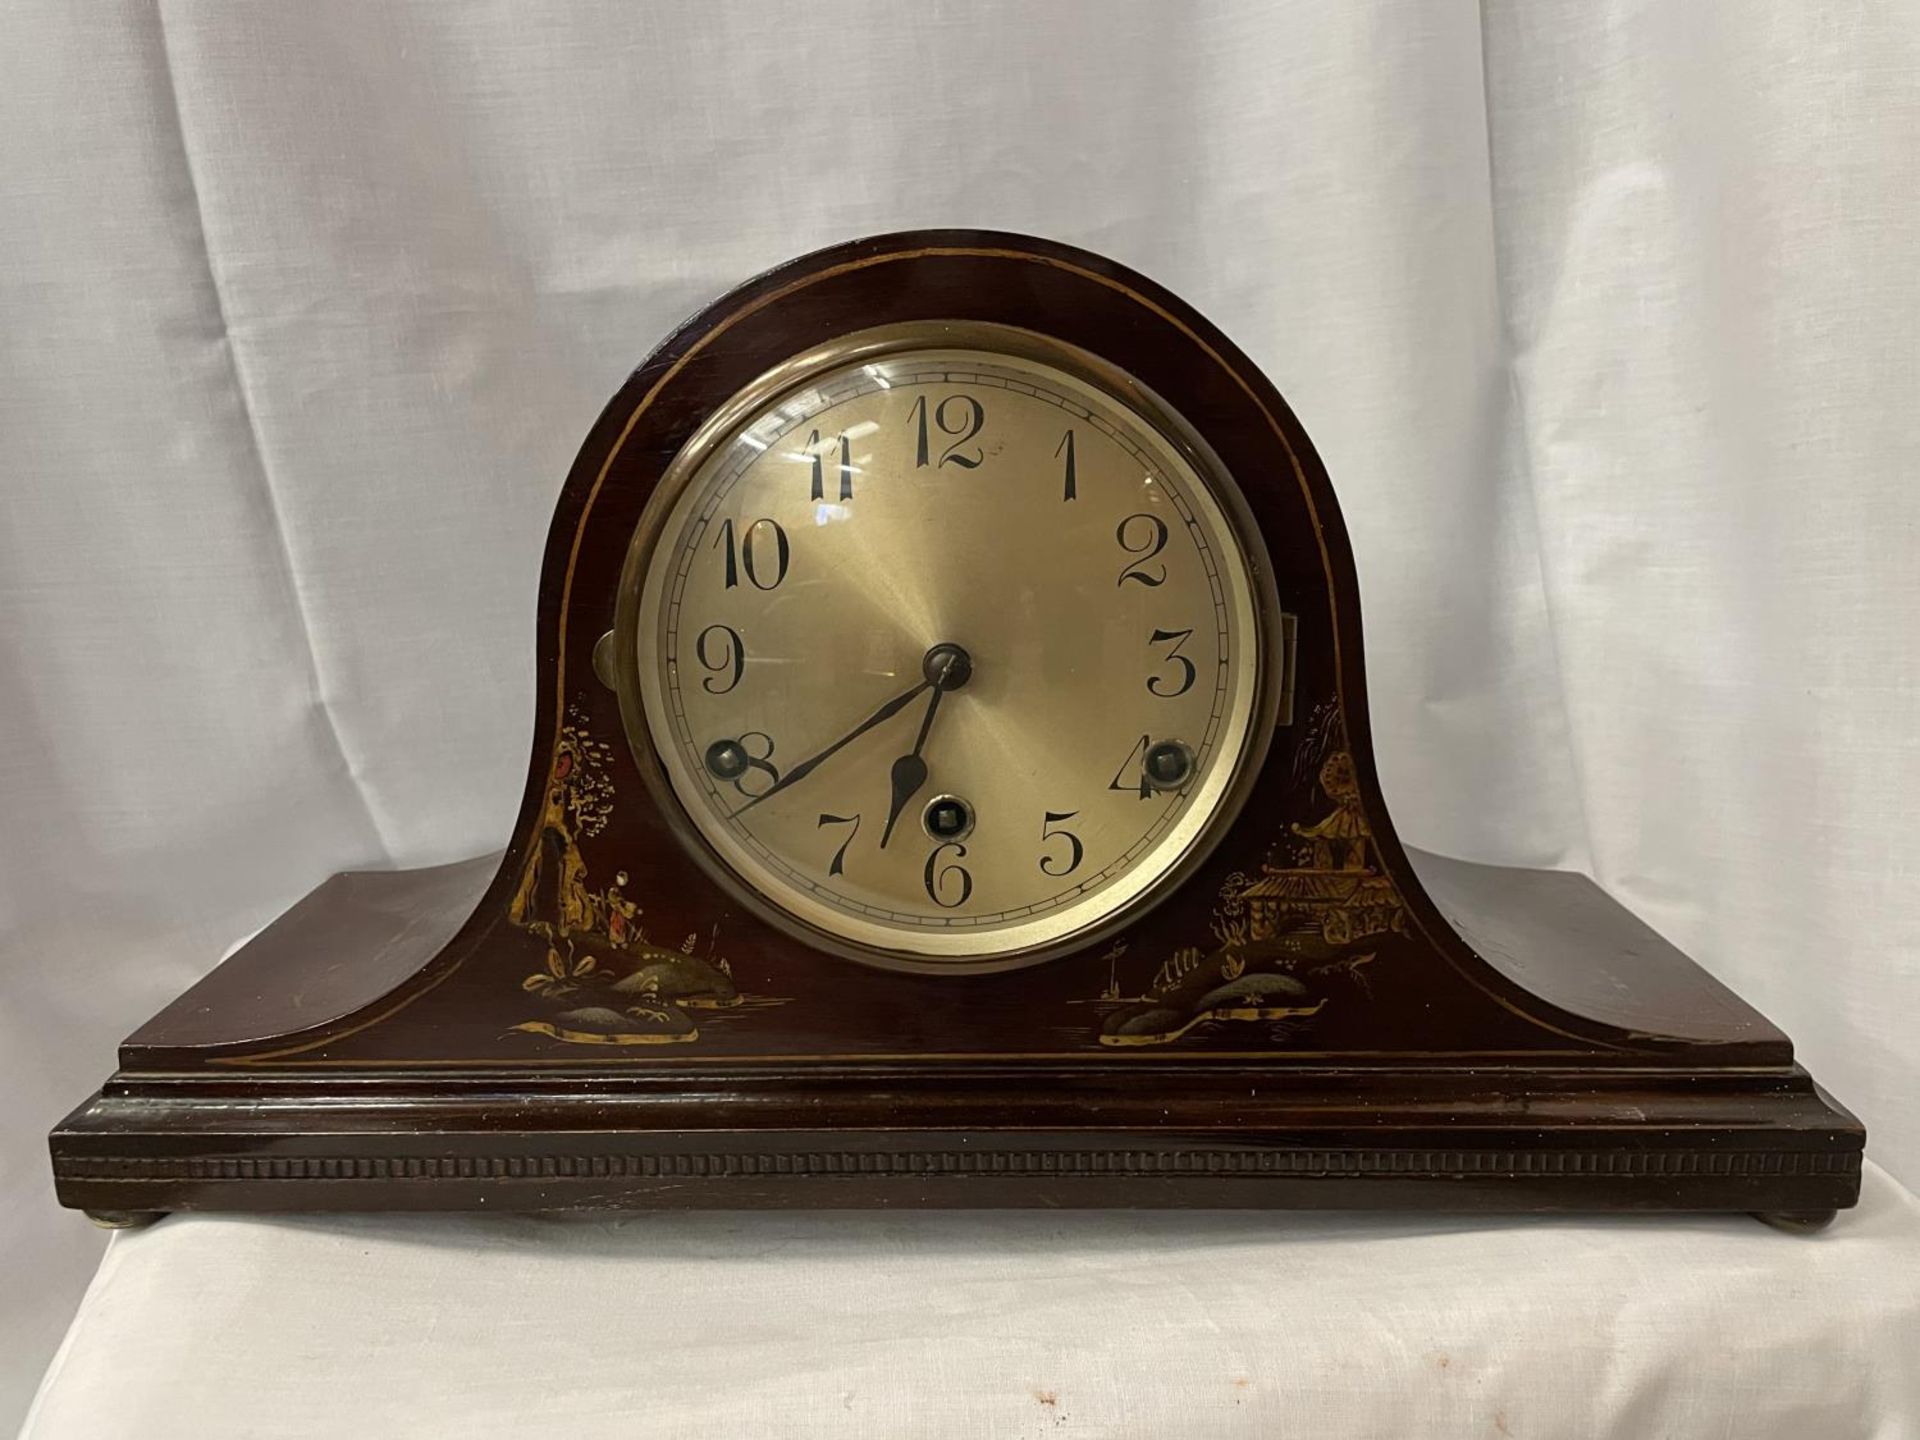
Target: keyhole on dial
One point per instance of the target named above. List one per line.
(1168, 764)
(947, 817)
(727, 759)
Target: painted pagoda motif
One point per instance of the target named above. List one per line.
(1282, 933)
(1340, 894)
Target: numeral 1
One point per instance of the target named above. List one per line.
(1066, 448)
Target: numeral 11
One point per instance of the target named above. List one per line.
(819, 469)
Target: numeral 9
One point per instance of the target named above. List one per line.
(720, 649)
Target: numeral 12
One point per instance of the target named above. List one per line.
(960, 416)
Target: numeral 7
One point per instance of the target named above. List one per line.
(839, 862)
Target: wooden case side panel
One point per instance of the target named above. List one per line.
(1561, 937)
(347, 945)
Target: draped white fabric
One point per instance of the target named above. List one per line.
(1602, 314)
(877, 1326)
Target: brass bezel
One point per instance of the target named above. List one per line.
(1273, 683)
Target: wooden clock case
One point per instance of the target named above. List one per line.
(1316, 1018)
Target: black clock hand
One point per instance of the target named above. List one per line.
(948, 667)
(910, 770)
(812, 762)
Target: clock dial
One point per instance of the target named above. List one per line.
(950, 654)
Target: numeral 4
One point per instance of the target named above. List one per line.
(1133, 770)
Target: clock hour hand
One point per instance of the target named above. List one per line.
(910, 771)
(948, 667)
(812, 762)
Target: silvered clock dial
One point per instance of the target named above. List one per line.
(951, 645)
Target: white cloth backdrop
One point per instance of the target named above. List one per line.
(1001, 1326)
(1603, 315)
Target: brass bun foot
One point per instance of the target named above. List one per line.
(1796, 1222)
(124, 1219)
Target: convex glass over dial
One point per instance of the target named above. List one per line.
(949, 654)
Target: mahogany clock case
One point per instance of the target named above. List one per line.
(594, 1018)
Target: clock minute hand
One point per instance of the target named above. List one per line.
(806, 767)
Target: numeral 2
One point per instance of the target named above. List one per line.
(1150, 538)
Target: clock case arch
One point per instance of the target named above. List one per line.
(1316, 1017)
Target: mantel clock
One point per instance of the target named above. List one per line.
(951, 786)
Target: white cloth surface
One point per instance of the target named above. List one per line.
(901, 1325)
(1602, 314)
